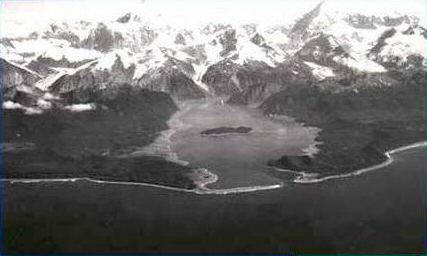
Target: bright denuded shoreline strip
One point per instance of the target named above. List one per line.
(202, 190)
(304, 177)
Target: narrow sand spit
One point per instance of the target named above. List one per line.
(201, 190)
(209, 178)
(305, 177)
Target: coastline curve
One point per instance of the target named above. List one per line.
(305, 177)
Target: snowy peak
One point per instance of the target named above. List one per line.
(301, 25)
(396, 46)
(322, 49)
(128, 17)
(141, 52)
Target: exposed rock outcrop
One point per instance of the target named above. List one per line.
(12, 75)
(258, 82)
(40, 68)
(102, 39)
(299, 29)
(228, 41)
(321, 50)
(61, 63)
(172, 81)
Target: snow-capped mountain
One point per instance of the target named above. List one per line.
(212, 57)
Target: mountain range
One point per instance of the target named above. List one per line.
(247, 62)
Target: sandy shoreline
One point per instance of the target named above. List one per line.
(162, 145)
(305, 177)
(202, 177)
(202, 190)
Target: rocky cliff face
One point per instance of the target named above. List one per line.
(172, 81)
(59, 63)
(12, 75)
(322, 50)
(40, 68)
(247, 62)
(222, 77)
(172, 78)
(299, 30)
(228, 78)
(228, 41)
(102, 39)
(381, 41)
(261, 82)
(17, 83)
(91, 77)
(57, 32)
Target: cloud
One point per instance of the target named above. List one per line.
(80, 107)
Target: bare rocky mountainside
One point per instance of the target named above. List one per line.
(359, 78)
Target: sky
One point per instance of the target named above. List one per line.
(193, 11)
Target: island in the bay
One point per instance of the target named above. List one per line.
(86, 111)
(226, 130)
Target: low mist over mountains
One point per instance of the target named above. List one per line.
(187, 125)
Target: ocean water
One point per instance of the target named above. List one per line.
(376, 212)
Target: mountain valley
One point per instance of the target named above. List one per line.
(74, 89)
